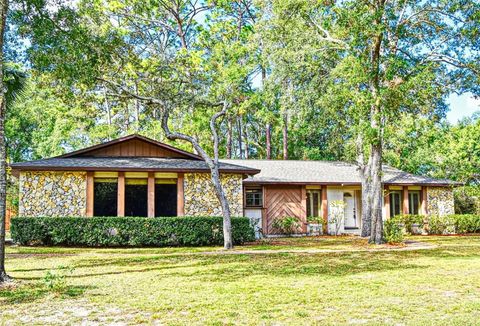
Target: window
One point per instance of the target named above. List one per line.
(254, 197)
(313, 203)
(105, 197)
(413, 202)
(136, 197)
(395, 203)
(165, 199)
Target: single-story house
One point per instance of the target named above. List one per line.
(138, 176)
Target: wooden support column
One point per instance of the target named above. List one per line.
(386, 201)
(121, 194)
(264, 211)
(180, 196)
(151, 194)
(303, 218)
(325, 209)
(423, 199)
(406, 209)
(90, 195)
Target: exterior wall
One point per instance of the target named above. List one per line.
(440, 201)
(282, 201)
(52, 194)
(200, 198)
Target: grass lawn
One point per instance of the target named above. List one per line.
(283, 281)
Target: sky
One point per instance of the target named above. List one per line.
(462, 106)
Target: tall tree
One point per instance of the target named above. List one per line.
(156, 57)
(3, 149)
(380, 58)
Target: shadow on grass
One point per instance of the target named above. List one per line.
(24, 293)
(229, 268)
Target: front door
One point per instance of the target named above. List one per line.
(350, 213)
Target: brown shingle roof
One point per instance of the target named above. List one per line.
(325, 172)
(127, 164)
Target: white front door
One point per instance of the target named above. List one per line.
(350, 218)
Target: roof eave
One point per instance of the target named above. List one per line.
(18, 168)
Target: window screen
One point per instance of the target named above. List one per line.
(254, 197)
(313, 203)
(413, 202)
(395, 203)
(105, 197)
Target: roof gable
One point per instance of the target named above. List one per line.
(132, 146)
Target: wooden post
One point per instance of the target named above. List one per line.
(424, 201)
(151, 194)
(303, 217)
(121, 194)
(406, 209)
(264, 211)
(90, 195)
(387, 202)
(180, 196)
(325, 209)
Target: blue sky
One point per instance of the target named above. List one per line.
(462, 106)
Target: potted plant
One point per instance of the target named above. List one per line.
(314, 225)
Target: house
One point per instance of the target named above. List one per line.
(310, 188)
(138, 176)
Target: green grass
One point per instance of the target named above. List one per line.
(290, 281)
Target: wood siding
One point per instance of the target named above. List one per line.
(134, 147)
(281, 201)
(8, 216)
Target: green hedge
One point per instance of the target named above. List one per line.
(448, 224)
(127, 231)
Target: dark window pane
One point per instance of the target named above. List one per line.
(316, 196)
(253, 197)
(395, 203)
(105, 198)
(414, 202)
(136, 200)
(309, 206)
(165, 200)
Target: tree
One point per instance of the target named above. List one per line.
(379, 59)
(3, 150)
(156, 56)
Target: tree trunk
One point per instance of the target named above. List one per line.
(268, 136)
(366, 206)
(3, 150)
(229, 138)
(285, 136)
(376, 235)
(239, 129)
(222, 198)
(245, 135)
(213, 164)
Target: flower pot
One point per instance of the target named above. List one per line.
(314, 229)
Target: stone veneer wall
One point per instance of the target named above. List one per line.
(200, 198)
(52, 194)
(440, 201)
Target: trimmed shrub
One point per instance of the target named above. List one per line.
(392, 231)
(127, 231)
(467, 223)
(409, 221)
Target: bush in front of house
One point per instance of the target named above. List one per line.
(127, 231)
(392, 231)
(448, 224)
(413, 224)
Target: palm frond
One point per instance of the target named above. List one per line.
(16, 83)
